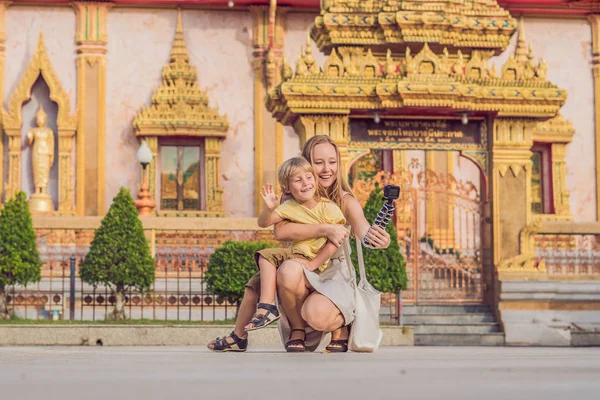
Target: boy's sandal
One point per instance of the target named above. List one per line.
(259, 321)
(296, 345)
(222, 345)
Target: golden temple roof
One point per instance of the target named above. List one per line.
(352, 79)
(456, 24)
(179, 106)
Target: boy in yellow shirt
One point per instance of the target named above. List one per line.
(296, 178)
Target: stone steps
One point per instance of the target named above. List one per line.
(459, 339)
(451, 324)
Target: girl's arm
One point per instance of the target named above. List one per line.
(294, 232)
(355, 216)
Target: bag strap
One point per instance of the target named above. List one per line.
(361, 262)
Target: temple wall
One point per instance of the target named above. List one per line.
(566, 45)
(220, 47)
(297, 26)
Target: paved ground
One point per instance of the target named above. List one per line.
(415, 373)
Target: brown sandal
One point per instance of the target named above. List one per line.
(339, 345)
(296, 345)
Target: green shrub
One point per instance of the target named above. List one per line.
(386, 269)
(20, 262)
(231, 266)
(119, 255)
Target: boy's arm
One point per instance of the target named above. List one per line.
(268, 217)
(326, 252)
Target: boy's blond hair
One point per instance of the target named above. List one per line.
(287, 169)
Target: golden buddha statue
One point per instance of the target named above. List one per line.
(42, 158)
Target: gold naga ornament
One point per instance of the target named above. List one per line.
(42, 158)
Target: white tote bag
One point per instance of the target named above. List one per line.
(365, 333)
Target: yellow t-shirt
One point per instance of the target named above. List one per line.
(325, 212)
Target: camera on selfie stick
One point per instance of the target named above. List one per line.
(390, 193)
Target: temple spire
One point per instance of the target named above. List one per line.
(521, 51)
(179, 51)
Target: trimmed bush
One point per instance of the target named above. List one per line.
(119, 255)
(386, 269)
(231, 266)
(20, 262)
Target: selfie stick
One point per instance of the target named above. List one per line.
(390, 193)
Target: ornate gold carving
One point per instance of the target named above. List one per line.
(12, 122)
(422, 80)
(478, 24)
(179, 108)
(526, 265)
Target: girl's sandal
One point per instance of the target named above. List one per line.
(260, 321)
(296, 345)
(339, 345)
(221, 345)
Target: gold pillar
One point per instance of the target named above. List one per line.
(268, 133)
(595, 22)
(399, 160)
(91, 40)
(511, 184)
(440, 223)
(214, 195)
(335, 126)
(3, 6)
(559, 180)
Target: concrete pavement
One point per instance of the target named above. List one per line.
(417, 373)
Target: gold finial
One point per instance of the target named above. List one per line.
(179, 51)
(521, 50)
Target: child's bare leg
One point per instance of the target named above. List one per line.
(268, 280)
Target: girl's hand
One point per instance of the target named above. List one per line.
(378, 238)
(337, 234)
(269, 197)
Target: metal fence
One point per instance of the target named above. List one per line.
(178, 294)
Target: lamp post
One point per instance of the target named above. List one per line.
(145, 204)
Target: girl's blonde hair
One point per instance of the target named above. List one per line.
(336, 191)
(287, 169)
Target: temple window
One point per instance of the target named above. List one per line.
(182, 185)
(541, 179)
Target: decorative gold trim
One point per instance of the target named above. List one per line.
(595, 22)
(180, 109)
(40, 64)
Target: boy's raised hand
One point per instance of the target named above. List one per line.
(269, 197)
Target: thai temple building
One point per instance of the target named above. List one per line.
(485, 112)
